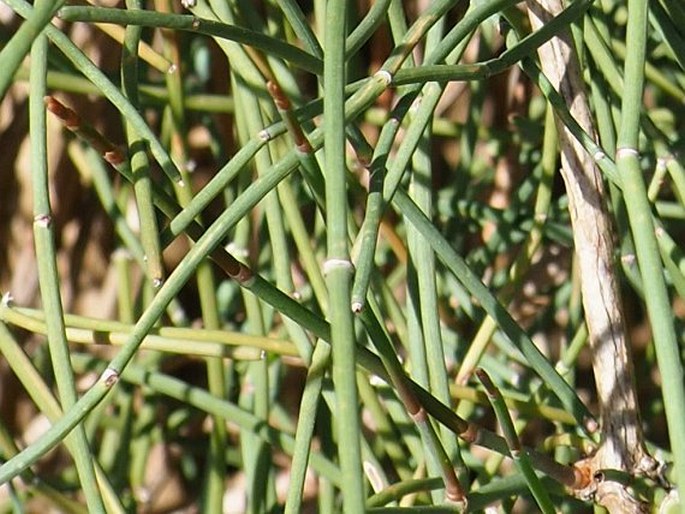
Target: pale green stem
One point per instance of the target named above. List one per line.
(518, 453)
(140, 166)
(646, 247)
(338, 267)
(48, 275)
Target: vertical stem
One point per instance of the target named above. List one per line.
(338, 267)
(622, 445)
(518, 453)
(256, 454)
(523, 260)
(642, 227)
(421, 188)
(140, 166)
(305, 427)
(215, 470)
(47, 270)
(14, 51)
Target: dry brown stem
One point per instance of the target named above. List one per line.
(622, 445)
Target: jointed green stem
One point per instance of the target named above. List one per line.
(338, 266)
(194, 24)
(642, 227)
(48, 274)
(518, 453)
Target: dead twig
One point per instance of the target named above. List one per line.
(622, 446)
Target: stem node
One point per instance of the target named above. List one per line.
(333, 263)
(109, 377)
(42, 220)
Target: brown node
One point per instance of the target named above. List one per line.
(277, 94)
(470, 435)
(114, 157)
(583, 474)
(68, 116)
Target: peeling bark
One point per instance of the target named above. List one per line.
(622, 445)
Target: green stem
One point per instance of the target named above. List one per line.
(646, 247)
(18, 46)
(338, 267)
(191, 341)
(195, 24)
(305, 427)
(95, 75)
(456, 264)
(200, 398)
(517, 452)
(41, 395)
(140, 166)
(48, 274)
(366, 27)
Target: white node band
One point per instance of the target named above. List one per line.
(626, 152)
(385, 76)
(42, 220)
(109, 377)
(331, 264)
